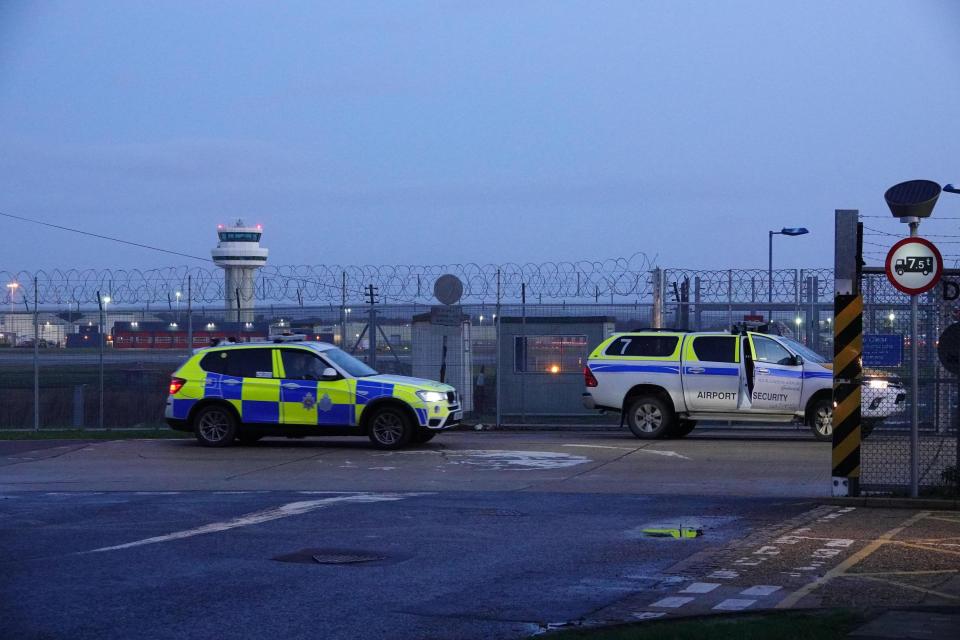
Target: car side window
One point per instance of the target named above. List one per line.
(715, 348)
(242, 363)
(301, 365)
(646, 346)
(215, 362)
(771, 351)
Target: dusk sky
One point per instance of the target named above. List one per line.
(441, 132)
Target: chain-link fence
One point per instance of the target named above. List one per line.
(513, 362)
(886, 452)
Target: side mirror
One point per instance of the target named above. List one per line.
(797, 361)
(330, 374)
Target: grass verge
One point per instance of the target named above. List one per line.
(92, 434)
(789, 625)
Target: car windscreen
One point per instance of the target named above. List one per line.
(806, 352)
(348, 363)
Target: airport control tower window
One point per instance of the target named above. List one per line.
(240, 236)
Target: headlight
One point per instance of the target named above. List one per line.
(431, 396)
(879, 384)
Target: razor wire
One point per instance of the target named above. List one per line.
(749, 285)
(619, 278)
(632, 279)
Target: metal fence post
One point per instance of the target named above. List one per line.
(101, 339)
(657, 320)
(915, 388)
(36, 357)
(189, 314)
(729, 298)
(523, 334)
(796, 298)
(343, 309)
(497, 319)
(697, 326)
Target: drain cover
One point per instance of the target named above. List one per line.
(344, 558)
(330, 556)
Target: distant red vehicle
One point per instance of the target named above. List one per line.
(166, 339)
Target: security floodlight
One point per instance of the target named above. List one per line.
(794, 231)
(912, 199)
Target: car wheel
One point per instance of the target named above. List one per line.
(649, 417)
(389, 428)
(423, 435)
(215, 426)
(820, 420)
(683, 428)
(247, 438)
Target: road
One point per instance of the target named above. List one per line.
(475, 535)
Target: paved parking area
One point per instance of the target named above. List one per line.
(494, 535)
(600, 462)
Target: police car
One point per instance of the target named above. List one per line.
(663, 382)
(287, 387)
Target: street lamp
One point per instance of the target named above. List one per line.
(11, 293)
(786, 231)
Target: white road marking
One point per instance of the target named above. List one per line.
(74, 494)
(673, 602)
(494, 460)
(156, 493)
(259, 517)
(760, 590)
(734, 604)
(700, 587)
(600, 446)
(648, 615)
(669, 454)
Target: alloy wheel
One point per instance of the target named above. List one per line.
(648, 418)
(214, 425)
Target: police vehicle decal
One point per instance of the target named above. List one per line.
(780, 373)
(181, 408)
(368, 391)
(631, 368)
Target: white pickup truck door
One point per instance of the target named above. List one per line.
(711, 373)
(777, 382)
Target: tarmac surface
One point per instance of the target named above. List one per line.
(474, 535)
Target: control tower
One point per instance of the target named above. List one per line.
(239, 254)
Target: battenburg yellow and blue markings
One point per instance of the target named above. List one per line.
(287, 401)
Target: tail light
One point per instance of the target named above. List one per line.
(588, 378)
(176, 384)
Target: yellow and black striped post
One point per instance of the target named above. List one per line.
(847, 378)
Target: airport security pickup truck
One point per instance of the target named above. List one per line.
(663, 382)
